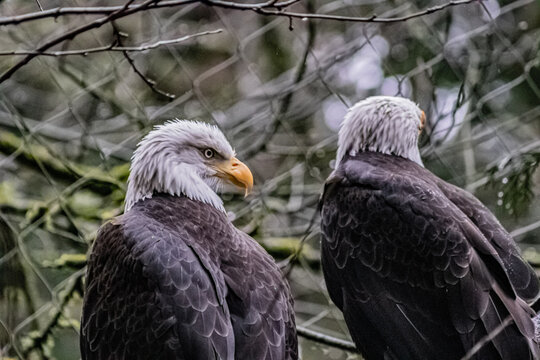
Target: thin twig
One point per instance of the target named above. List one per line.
(261, 8)
(370, 19)
(39, 5)
(106, 10)
(286, 101)
(486, 339)
(151, 83)
(525, 229)
(129, 9)
(110, 47)
(326, 339)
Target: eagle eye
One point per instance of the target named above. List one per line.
(208, 153)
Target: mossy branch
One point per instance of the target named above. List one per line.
(38, 340)
(74, 261)
(284, 247)
(32, 155)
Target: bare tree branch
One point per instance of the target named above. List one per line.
(110, 47)
(525, 229)
(106, 10)
(94, 10)
(373, 19)
(486, 339)
(121, 12)
(151, 83)
(260, 8)
(39, 5)
(285, 102)
(326, 339)
(129, 9)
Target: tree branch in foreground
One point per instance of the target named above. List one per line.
(488, 338)
(150, 82)
(121, 12)
(110, 47)
(268, 8)
(106, 10)
(372, 19)
(326, 339)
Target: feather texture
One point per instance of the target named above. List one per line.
(174, 279)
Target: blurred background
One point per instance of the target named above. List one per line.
(278, 87)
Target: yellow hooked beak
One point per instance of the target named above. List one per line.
(422, 121)
(237, 173)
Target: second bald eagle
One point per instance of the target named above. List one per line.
(420, 268)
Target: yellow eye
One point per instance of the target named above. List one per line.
(208, 153)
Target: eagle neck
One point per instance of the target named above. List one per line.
(173, 179)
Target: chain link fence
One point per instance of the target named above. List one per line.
(83, 81)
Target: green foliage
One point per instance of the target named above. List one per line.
(514, 181)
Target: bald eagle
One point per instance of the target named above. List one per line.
(172, 278)
(420, 268)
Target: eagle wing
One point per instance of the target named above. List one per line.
(151, 296)
(521, 274)
(414, 276)
(260, 303)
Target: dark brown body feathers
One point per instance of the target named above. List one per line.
(174, 279)
(420, 268)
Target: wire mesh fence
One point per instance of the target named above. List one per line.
(83, 81)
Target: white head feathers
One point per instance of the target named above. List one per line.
(385, 124)
(170, 159)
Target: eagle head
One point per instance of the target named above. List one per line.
(385, 124)
(188, 158)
